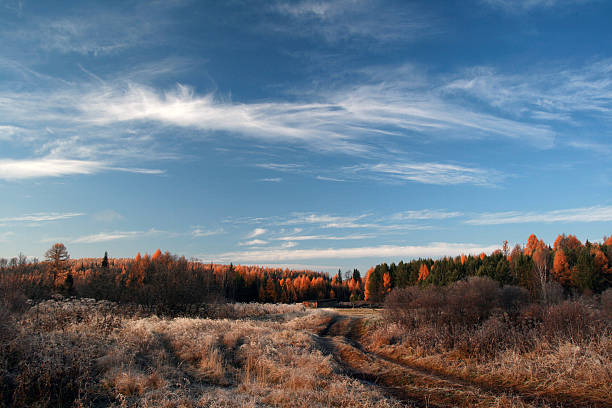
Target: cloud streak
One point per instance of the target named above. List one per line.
(426, 215)
(436, 249)
(584, 214)
(11, 169)
(112, 236)
(41, 217)
(516, 6)
(432, 173)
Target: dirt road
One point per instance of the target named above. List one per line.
(341, 336)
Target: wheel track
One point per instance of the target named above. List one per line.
(421, 387)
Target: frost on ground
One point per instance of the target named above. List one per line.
(91, 353)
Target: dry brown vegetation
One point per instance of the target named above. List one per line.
(495, 337)
(97, 353)
(472, 343)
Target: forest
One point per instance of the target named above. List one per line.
(527, 327)
(567, 268)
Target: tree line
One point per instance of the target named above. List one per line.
(167, 279)
(568, 266)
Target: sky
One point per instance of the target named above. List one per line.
(303, 134)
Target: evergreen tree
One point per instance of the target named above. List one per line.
(105, 260)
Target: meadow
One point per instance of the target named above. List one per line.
(84, 352)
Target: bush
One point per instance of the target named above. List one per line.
(472, 301)
(568, 320)
(606, 303)
(512, 299)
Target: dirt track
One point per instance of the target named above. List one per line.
(419, 387)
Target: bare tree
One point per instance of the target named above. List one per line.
(57, 255)
(541, 264)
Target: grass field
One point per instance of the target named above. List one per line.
(98, 353)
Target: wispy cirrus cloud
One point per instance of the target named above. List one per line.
(431, 173)
(595, 147)
(113, 236)
(41, 217)
(107, 216)
(18, 169)
(426, 214)
(341, 20)
(436, 249)
(290, 238)
(584, 214)
(9, 132)
(526, 5)
(256, 233)
(254, 242)
(322, 221)
(198, 232)
(271, 180)
(6, 236)
(352, 120)
(547, 95)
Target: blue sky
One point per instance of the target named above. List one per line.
(327, 135)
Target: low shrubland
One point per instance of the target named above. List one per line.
(480, 331)
(83, 352)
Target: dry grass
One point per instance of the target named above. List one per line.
(561, 350)
(87, 353)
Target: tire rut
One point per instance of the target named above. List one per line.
(420, 387)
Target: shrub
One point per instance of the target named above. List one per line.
(606, 303)
(512, 299)
(471, 301)
(568, 320)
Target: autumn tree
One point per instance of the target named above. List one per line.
(567, 243)
(423, 272)
(156, 255)
(57, 256)
(541, 266)
(374, 286)
(561, 269)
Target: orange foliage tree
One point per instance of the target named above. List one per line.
(423, 272)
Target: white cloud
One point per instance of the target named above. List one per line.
(254, 242)
(525, 5)
(432, 173)
(435, 250)
(323, 178)
(328, 221)
(350, 119)
(6, 236)
(596, 147)
(280, 166)
(9, 132)
(45, 167)
(271, 180)
(11, 169)
(585, 214)
(107, 216)
(554, 94)
(256, 233)
(112, 236)
(341, 20)
(426, 215)
(41, 217)
(323, 237)
(197, 232)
